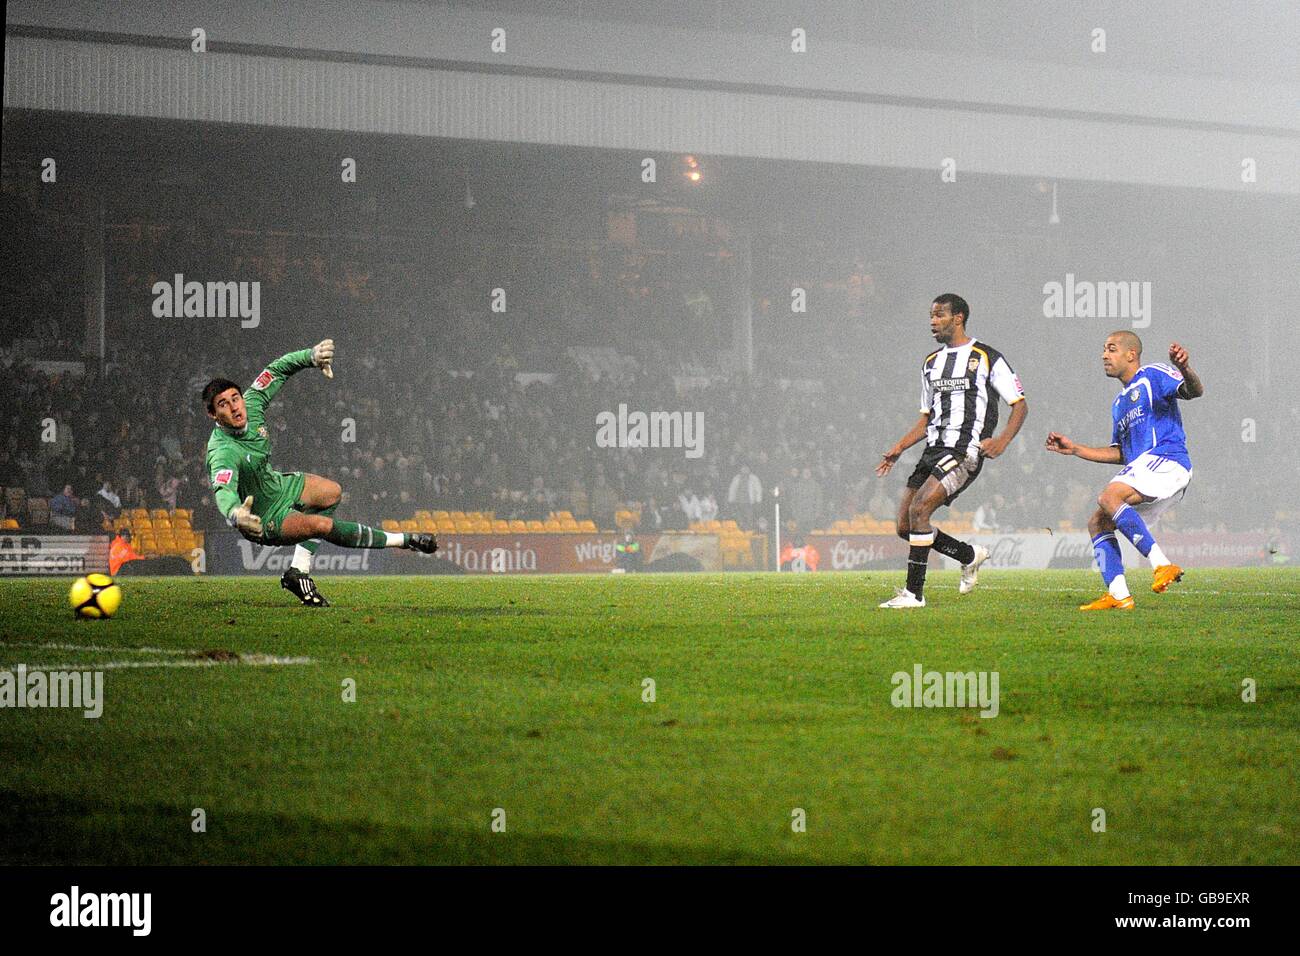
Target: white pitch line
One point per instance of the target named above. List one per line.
(97, 649)
(1173, 590)
(248, 660)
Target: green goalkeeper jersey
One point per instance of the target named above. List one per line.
(239, 463)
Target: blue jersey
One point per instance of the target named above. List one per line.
(1146, 418)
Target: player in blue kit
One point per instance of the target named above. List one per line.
(1147, 438)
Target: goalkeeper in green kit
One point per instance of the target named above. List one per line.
(271, 508)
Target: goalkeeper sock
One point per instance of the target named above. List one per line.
(349, 534)
(302, 555)
(918, 557)
(306, 550)
(950, 547)
(1105, 550)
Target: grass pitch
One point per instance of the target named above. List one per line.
(772, 693)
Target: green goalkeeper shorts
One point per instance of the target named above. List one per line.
(274, 500)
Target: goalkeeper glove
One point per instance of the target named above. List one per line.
(322, 356)
(242, 517)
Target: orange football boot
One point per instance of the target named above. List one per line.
(1108, 603)
(1166, 575)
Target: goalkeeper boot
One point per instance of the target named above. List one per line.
(303, 588)
(1108, 603)
(1166, 575)
(424, 543)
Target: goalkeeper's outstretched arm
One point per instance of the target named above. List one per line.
(273, 377)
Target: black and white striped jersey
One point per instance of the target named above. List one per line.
(960, 386)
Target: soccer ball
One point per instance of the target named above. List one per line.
(95, 595)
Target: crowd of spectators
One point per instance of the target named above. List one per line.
(432, 407)
(480, 439)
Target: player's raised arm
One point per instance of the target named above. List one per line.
(1110, 455)
(273, 377)
(1192, 386)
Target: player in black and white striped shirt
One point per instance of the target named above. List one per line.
(960, 386)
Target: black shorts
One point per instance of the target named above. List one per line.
(949, 467)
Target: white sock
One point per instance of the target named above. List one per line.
(1119, 588)
(1157, 556)
(301, 560)
(396, 539)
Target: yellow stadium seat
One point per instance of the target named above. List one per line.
(9, 524)
(587, 526)
(388, 524)
(409, 525)
(516, 525)
(536, 525)
(427, 525)
(423, 515)
(440, 515)
(500, 527)
(183, 513)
